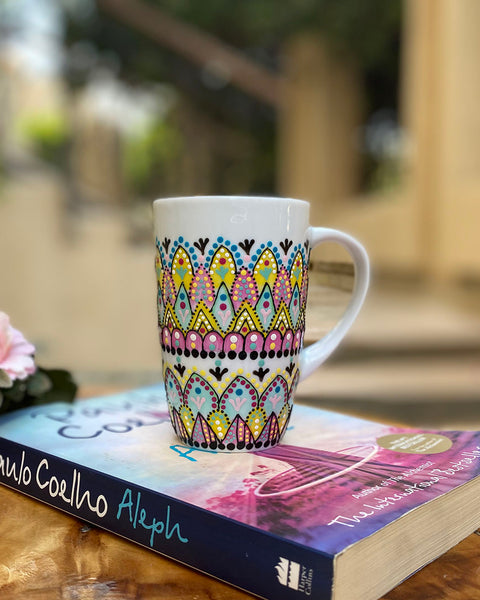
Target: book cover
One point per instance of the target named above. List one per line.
(271, 522)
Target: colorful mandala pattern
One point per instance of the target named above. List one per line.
(238, 418)
(257, 296)
(231, 322)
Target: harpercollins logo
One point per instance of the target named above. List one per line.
(294, 575)
(288, 573)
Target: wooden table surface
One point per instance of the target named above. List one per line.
(48, 555)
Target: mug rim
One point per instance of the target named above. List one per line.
(231, 198)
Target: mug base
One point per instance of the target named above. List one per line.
(218, 431)
(215, 446)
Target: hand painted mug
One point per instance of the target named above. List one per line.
(232, 277)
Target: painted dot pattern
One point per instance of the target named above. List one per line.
(230, 420)
(225, 290)
(224, 304)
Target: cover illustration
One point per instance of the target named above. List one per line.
(333, 481)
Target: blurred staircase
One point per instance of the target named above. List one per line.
(411, 357)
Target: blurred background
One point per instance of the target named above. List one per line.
(369, 110)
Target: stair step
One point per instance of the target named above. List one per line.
(428, 380)
(393, 323)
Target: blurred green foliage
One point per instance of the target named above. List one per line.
(148, 156)
(364, 28)
(387, 175)
(48, 134)
(367, 30)
(45, 386)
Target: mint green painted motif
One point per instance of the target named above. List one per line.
(222, 309)
(294, 307)
(265, 272)
(265, 307)
(222, 271)
(183, 309)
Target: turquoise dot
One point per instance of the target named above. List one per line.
(261, 363)
(218, 363)
(253, 346)
(212, 347)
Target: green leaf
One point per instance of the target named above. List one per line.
(18, 392)
(38, 383)
(5, 381)
(63, 387)
(43, 387)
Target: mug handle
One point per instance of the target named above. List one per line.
(313, 356)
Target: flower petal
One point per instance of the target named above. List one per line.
(19, 366)
(15, 351)
(5, 335)
(19, 344)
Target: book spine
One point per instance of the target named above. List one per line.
(243, 556)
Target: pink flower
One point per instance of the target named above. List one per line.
(15, 351)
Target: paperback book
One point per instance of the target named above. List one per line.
(343, 508)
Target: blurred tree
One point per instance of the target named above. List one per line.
(49, 136)
(368, 30)
(158, 146)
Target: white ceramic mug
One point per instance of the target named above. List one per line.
(232, 290)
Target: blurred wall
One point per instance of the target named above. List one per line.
(75, 286)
